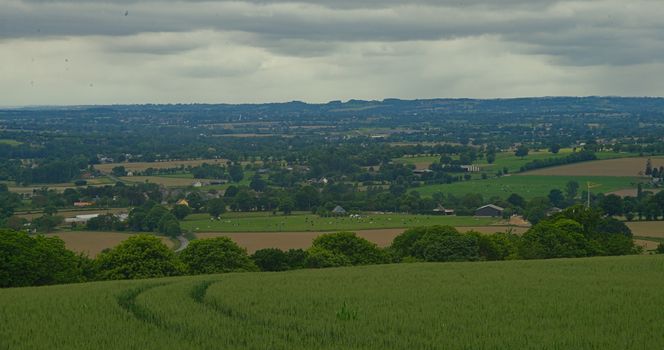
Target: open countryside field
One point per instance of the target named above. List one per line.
(59, 187)
(93, 242)
(73, 213)
(647, 228)
(594, 303)
(185, 180)
(141, 166)
(309, 222)
(253, 241)
(167, 181)
(609, 167)
(508, 159)
(10, 142)
(526, 186)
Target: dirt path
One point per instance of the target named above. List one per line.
(184, 243)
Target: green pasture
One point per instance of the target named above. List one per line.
(266, 222)
(527, 186)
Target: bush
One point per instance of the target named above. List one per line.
(497, 246)
(357, 250)
(447, 247)
(660, 248)
(105, 222)
(271, 259)
(321, 258)
(216, 255)
(140, 256)
(28, 261)
(296, 258)
(404, 244)
(562, 238)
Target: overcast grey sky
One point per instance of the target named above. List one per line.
(167, 51)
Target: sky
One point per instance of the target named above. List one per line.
(55, 52)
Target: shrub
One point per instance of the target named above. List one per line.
(216, 255)
(271, 259)
(562, 238)
(356, 249)
(34, 261)
(321, 258)
(141, 256)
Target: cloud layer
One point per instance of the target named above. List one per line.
(136, 51)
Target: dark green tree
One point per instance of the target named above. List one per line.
(216, 207)
(140, 256)
(181, 211)
(216, 255)
(271, 259)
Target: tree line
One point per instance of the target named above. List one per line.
(576, 232)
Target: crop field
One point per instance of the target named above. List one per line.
(10, 142)
(420, 162)
(167, 181)
(509, 160)
(73, 213)
(594, 303)
(633, 192)
(309, 222)
(527, 186)
(647, 228)
(141, 166)
(93, 242)
(59, 187)
(253, 241)
(609, 167)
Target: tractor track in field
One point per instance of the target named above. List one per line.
(127, 301)
(285, 330)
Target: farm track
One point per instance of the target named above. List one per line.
(128, 300)
(284, 332)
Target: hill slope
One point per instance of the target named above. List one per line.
(607, 303)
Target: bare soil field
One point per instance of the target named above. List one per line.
(254, 241)
(141, 166)
(59, 187)
(647, 245)
(162, 180)
(610, 167)
(92, 242)
(632, 192)
(647, 228)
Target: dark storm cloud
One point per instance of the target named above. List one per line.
(576, 33)
(135, 51)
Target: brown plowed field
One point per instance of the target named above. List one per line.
(647, 245)
(141, 166)
(92, 243)
(609, 167)
(632, 192)
(647, 228)
(253, 241)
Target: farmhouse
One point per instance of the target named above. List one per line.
(440, 210)
(489, 210)
(338, 210)
(81, 218)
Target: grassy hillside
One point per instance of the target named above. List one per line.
(598, 303)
